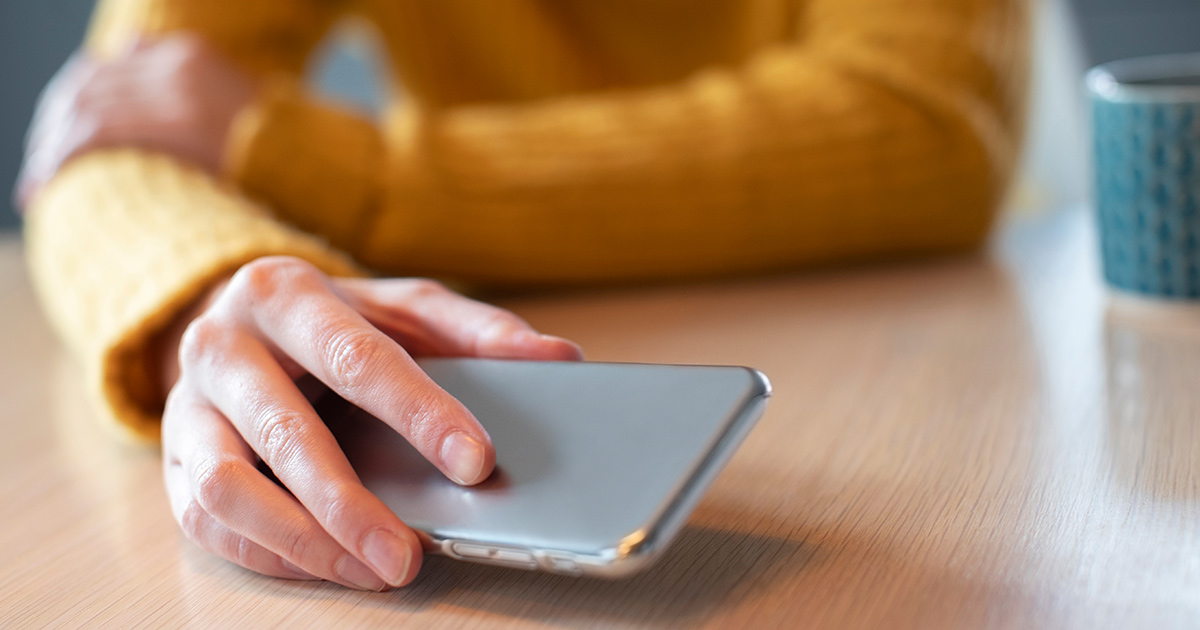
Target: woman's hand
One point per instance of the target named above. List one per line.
(236, 401)
(175, 95)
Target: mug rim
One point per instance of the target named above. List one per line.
(1117, 81)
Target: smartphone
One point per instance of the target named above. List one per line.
(598, 465)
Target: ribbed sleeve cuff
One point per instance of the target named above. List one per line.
(316, 166)
(122, 242)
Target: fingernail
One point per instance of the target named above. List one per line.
(464, 456)
(578, 350)
(389, 556)
(351, 570)
(539, 338)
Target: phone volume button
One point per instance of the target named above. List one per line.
(505, 556)
(467, 550)
(562, 564)
(513, 556)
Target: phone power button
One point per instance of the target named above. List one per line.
(506, 556)
(560, 564)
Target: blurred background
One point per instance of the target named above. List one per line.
(1071, 35)
(37, 36)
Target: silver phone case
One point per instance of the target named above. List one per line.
(598, 464)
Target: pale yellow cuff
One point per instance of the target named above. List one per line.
(316, 166)
(120, 243)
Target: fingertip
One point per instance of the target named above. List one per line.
(467, 459)
(393, 555)
(570, 350)
(415, 560)
(549, 348)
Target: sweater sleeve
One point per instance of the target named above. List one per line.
(121, 241)
(886, 127)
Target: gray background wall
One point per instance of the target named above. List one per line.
(1112, 29)
(37, 35)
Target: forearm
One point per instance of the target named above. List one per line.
(887, 130)
(120, 243)
(732, 172)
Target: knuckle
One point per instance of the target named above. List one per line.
(90, 128)
(426, 287)
(349, 354)
(423, 417)
(77, 96)
(262, 278)
(242, 552)
(498, 323)
(295, 545)
(90, 98)
(494, 326)
(337, 514)
(282, 436)
(213, 479)
(83, 120)
(192, 520)
(172, 416)
(204, 337)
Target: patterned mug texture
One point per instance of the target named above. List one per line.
(1146, 130)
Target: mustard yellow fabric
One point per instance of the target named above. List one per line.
(544, 142)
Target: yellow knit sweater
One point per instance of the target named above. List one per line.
(542, 142)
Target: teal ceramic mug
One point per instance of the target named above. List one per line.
(1146, 130)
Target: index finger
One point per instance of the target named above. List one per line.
(297, 311)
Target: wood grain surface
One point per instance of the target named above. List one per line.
(980, 442)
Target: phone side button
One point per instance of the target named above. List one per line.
(513, 556)
(466, 550)
(566, 566)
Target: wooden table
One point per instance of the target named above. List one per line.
(978, 442)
